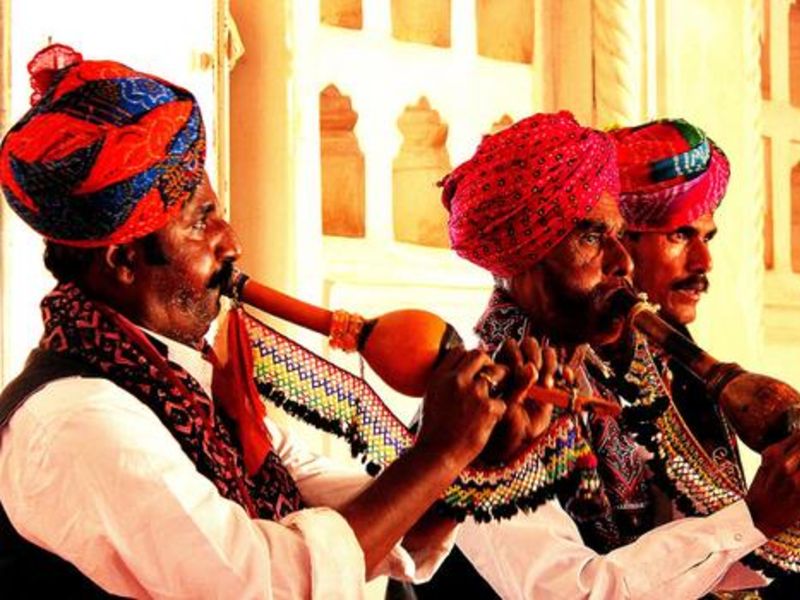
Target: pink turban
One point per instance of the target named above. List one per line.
(671, 174)
(525, 189)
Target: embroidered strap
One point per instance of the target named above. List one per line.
(332, 399)
(693, 479)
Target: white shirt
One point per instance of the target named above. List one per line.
(541, 555)
(88, 472)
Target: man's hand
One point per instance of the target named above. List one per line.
(774, 496)
(458, 413)
(529, 364)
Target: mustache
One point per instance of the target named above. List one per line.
(697, 281)
(602, 297)
(222, 276)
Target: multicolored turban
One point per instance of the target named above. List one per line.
(105, 155)
(525, 189)
(670, 174)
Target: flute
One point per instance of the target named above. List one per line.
(761, 409)
(402, 347)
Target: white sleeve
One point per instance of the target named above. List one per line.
(323, 482)
(90, 473)
(541, 555)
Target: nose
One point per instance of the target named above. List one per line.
(227, 247)
(699, 257)
(616, 260)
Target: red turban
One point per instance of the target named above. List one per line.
(525, 189)
(105, 155)
(670, 174)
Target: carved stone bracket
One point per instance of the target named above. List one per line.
(342, 166)
(419, 216)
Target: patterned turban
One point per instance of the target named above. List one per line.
(105, 155)
(670, 174)
(525, 189)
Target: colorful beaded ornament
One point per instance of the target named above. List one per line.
(334, 400)
(685, 470)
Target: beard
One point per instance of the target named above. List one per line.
(579, 316)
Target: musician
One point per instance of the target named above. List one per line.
(120, 472)
(537, 206)
(673, 179)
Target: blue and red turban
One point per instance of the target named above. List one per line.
(105, 155)
(525, 189)
(670, 174)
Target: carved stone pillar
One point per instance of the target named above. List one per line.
(418, 214)
(753, 180)
(423, 21)
(341, 13)
(618, 58)
(342, 166)
(505, 29)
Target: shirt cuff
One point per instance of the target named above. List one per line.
(418, 566)
(336, 557)
(738, 533)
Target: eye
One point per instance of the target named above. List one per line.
(592, 238)
(200, 224)
(678, 237)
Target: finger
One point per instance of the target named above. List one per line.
(569, 376)
(497, 408)
(493, 375)
(781, 448)
(791, 463)
(509, 353)
(452, 357)
(539, 416)
(472, 362)
(524, 378)
(549, 366)
(532, 352)
(791, 457)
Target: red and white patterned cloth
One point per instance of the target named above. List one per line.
(525, 189)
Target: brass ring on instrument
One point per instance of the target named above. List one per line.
(345, 330)
(639, 307)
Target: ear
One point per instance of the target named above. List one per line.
(120, 259)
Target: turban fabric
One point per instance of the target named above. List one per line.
(105, 155)
(670, 174)
(525, 189)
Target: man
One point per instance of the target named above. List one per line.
(673, 179)
(120, 472)
(551, 234)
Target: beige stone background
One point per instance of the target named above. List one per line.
(331, 121)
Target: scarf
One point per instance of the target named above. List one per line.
(621, 511)
(112, 346)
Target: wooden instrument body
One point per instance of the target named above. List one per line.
(761, 409)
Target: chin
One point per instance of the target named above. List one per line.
(680, 316)
(608, 335)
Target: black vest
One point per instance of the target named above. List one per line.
(26, 570)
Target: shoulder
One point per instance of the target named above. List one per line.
(75, 415)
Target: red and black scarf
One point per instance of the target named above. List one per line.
(111, 346)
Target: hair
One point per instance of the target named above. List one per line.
(70, 264)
